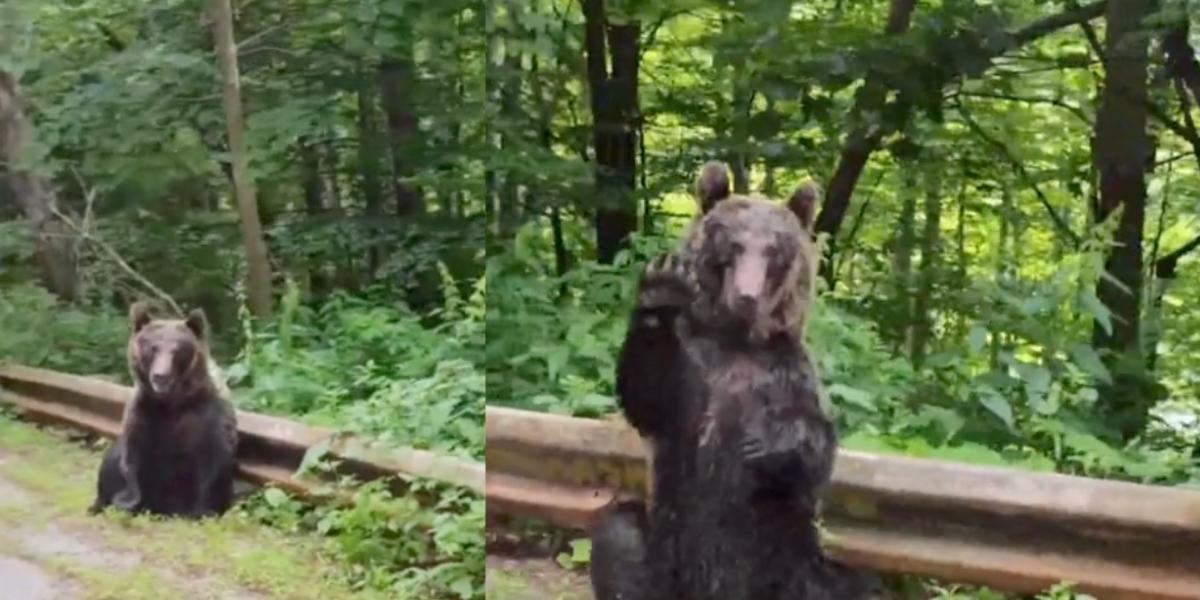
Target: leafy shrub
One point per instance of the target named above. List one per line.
(39, 331)
(378, 370)
(1012, 382)
(392, 543)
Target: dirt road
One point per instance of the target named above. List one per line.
(50, 549)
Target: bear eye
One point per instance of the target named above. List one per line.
(737, 248)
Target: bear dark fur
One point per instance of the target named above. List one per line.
(715, 375)
(178, 444)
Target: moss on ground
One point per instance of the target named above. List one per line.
(230, 557)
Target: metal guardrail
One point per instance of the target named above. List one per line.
(270, 449)
(1005, 528)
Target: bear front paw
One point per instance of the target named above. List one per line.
(667, 282)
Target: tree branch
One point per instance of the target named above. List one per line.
(116, 257)
(1048, 25)
(1164, 268)
(1074, 110)
(1021, 171)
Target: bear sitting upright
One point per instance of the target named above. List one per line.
(714, 372)
(178, 444)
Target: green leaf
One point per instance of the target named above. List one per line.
(313, 455)
(1086, 358)
(977, 338)
(463, 587)
(998, 405)
(1090, 303)
(275, 497)
(854, 396)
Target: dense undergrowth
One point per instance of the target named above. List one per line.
(1012, 380)
(354, 363)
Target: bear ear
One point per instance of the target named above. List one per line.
(198, 323)
(803, 202)
(139, 316)
(712, 186)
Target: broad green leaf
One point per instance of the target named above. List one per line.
(977, 337)
(275, 497)
(857, 397)
(1092, 305)
(1085, 357)
(998, 405)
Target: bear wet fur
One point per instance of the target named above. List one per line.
(715, 375)
(177, 449)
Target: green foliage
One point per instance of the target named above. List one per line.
(380, 370)
(38, 331)
(392, 543)
(1031, 404)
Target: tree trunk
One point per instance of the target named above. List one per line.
(332, 174)
(371, 148)
(258, 279)
(614, 100)
(1122, 154)
(314, 206)
(54, 247)
(491, 96)
(510, 96)
(922, 328)
(862, 140)
(904, 242)
(396, 83)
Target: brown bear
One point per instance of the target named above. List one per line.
(178, 444)
(715, 374)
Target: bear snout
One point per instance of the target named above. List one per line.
(161, 382)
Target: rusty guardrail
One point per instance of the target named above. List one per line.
(270, 449)
(1005, 528)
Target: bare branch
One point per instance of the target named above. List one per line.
(84, 234)
(1074, 110)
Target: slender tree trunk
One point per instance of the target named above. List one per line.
(258, 280)
(739, 162)
(371, 149)
(491, 93)
(614, 103)
(545, 111)
(1122, 152)
(329, 157)
(862, 140)
(396, 84)
(902, 257)
(510, 94)
(1001, 262)
(314, 206)
(922, 329)
(54, 247)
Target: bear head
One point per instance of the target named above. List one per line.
(755, 259)
(168, 358)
